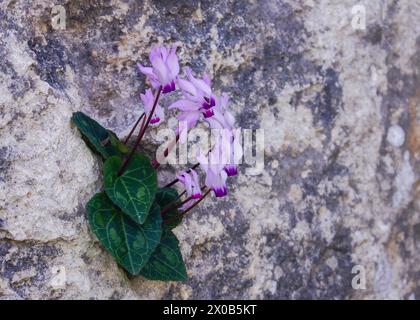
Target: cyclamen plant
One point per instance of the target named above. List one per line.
(133, 217)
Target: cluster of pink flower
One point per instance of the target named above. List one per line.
(198, 103)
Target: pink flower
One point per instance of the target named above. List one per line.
(148, 100)
(222, 118)
(191, 184)
(198, 95)
(233, 150)
(164, 70)
(230, 145)
(216, 176)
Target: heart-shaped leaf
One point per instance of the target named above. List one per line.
(130, 244)
(166, 262)
(134, 191)
(99, 139)
(165, 197)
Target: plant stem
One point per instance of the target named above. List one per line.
(185, 212)
(141, 134)
(197, 202)
(182, 193)
(134, 128)
(174, 205)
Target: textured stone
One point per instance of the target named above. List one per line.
(340, 183)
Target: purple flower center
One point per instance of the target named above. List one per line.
(208, 113)
(169, 87)
(212, 102)
(196, 195)
(208, 103)
(220, 192)
(231, 170)
(154, 120)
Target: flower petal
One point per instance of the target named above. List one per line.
(172, 62)
(206, 79)
(184, 105)
(198, 83)
(187, 86)
(145, 70)
(190, 117)
(186, 180)
(161, 71)
(195, 184)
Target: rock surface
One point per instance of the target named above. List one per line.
(339, 195)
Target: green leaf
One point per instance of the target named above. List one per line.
(130, 244)
(99, 139)
(165, 197)
(166, 262)
(117, 144)
(134, 191)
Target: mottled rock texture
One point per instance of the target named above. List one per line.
(341, 112)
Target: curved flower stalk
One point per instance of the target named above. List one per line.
(164, 70)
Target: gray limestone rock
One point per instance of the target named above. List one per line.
(339, 195)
